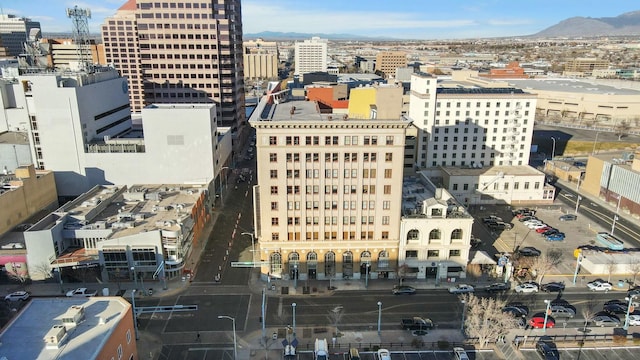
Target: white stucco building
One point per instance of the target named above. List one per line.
(310, 56)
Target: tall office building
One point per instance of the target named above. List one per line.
(329, 194)
(388, 61)
(180, 52)
(311, 56)
(13, 32)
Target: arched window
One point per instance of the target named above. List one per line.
(456, 234)
(434, 235)
(276, 264)
(365, 257)
(330, 264)
(294, 259)
(413, 235)
(347, 264)
(383, 260)
(365, 263)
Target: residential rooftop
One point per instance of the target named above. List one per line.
(519, 170)
(23, 337)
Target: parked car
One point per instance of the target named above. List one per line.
(497, 287)
(547, 349)
(599, 286)
(17, 296)
(635, 291)
(561, 311)
(551, 232)
(500, 226)
(537, 226)
(568, 217)
(416, 323)
(526, 288)
(615, 308)
(555, 237)
(516, 308)
(461, 289)
(634, 319)
(604, 319)
(532, 221)
(82, 292)
(517, 212)
(529, 251)
(552, 287)
(491, 218)
(527, 218)
(384, 354)
(543, 229)
(403, 290)
(460, 354)
(537, 321)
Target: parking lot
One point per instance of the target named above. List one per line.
(408, 355)
(577, 232)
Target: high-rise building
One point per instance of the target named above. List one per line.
(388, 61)
(311, 56)
(330, 191)
(14, 31)
(180, 52)
(260, 59)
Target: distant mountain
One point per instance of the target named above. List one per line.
(275, 35)
(625, 24)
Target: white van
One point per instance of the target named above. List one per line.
(321, 350)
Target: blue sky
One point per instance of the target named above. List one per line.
(409, 19)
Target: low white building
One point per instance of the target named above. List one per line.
(435, 232)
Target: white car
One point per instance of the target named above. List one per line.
(17, 296)
(461, 289)
(384, 354)
(82, 292)
(532, 221)
(537, 226)
(599, 286)
(526, 288)
(634, 320)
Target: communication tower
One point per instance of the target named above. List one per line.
(80, 19)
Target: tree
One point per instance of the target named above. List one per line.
(402, 272)
(589, 309)
(543, 263)
(622, 129)
(634, 269)
(485, 320)
(43, 270)
(335, 315)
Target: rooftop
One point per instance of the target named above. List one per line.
(23, 337)
(521, 170)
(570, 85)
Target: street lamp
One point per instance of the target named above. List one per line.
(293, 307)
(578, 260)
(235, 344)
(253, 247)
(135, 317)
(615, 217)
(626, 319)
(553, 151)
(135, 277)
(546, 315)
(578, 203)
(464, 308)
(379, 316)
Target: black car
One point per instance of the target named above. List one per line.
(551, 232)
(568, 217)
(553, 287)
(547, 349)
(500, 225)
(616, 302)
(615, 308)
(516, 310)
(529, 251)
(403, 290)
(497, 287)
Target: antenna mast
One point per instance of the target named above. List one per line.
(80, 19)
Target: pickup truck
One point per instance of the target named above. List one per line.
(82, 292)
(416, 323)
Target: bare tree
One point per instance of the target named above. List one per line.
(621, 129)
(42, 269)
(402, 272)
(484, 318)
(335, 315)
(542, 264)
(589, 309)
(18, 276)
(611, 267)
(634, 269)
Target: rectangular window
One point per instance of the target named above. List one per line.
(454, 253)
(433, 254)
(411, 254)
(273, 140)
(387, 173)
(273, 157)
(526, 185)
(387, 189)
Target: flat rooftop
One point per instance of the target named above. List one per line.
(570, 85)
(520, 170)
(23, 337)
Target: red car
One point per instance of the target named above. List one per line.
(537, 322)
(543, 229)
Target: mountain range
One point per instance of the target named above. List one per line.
(622, 25)
(625, 24)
